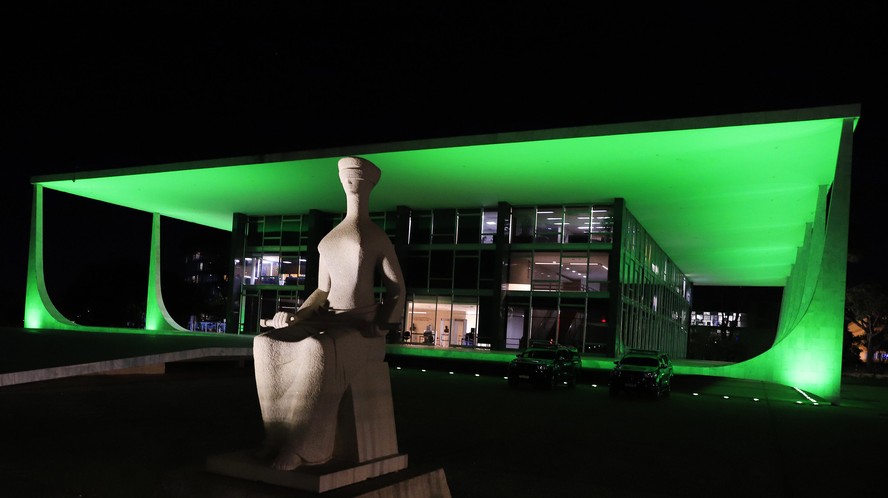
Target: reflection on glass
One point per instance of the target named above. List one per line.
(554, 271)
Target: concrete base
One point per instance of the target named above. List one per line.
(427, 485)
(316, 478)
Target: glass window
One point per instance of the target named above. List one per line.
(547, 271)
(255, 227)
(520, 270)
(488, 226)
(291, 231)
(523, 225)
(544, 320)
(465, 270)
(464, 322)
(443, 321)
(601, 225)
(417, 270)
(292, 269)
(261, 269)
(469, 227)
(420, 227)
(421, 316)
(516, 315)
(444, 226)
(488, 271)
(548, 224)
(576, 224)
(441, 269)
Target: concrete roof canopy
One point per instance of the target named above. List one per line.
(727, 197)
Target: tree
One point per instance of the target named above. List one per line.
(866, 305)
(850, 350)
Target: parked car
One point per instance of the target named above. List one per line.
(642, 371)
(545, 365)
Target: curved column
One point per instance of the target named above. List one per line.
(40, 313)
(807, 352)
(157, 317)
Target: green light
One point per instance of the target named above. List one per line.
(729, 204)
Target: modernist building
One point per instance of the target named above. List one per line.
(591, 236)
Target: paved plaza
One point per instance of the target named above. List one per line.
(149, 435)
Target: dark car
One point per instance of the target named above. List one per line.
(545, 365)
(642, 371)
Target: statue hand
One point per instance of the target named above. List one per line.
(280, 320)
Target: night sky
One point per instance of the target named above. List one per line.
(98, 85)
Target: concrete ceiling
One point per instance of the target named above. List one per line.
(727, 197)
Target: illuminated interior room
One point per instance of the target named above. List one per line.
(594, 237)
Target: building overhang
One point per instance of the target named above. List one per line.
(727, 197)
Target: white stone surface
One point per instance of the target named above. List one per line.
(136, 362)
(317, 478)
(333, 347)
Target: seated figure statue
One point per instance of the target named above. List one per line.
(307, 361)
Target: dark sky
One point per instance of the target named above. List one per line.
(95, 85)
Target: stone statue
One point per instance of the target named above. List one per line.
(308, 361)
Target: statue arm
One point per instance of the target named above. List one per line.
(392, 306)
(318, 298)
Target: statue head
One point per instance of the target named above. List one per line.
(358, 168)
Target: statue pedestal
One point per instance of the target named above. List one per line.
(366, 448)
(316, 478)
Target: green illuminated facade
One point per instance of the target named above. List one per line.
(592, 236)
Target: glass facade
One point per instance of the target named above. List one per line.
(492, 277)
(655, 295)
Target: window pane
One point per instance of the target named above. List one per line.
(417, 273)
(546, 271)
(465, 274)
(576, 224)
(523, 225)
(488, 226)
(291, 231)
(444, 229)
(519, 271)
(601, 225)
(421, 227)
(292, 269)
(548, 225)
(469, 227)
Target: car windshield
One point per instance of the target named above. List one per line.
(540, 354)
(640, 361)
